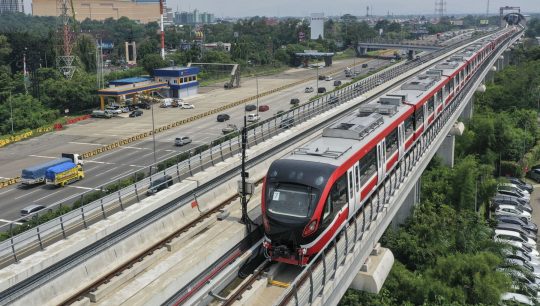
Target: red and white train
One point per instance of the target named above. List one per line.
(310, 195)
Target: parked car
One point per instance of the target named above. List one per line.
(511, 201)
(223, 117)
(227, 85)
(308, 89)
(521, 183)
(337, 83)
(125, 109)
(229, 129)
(144, 105)
(114, 110)
(333, 100)
(517, 298)
(136, 113)
(533, 260)
(534, 175)
(101, 114)
(515, 228)
(364, 65)
(509, 210)
(253, 118)
(182, 140)
(31, 209)
(321, 90)
(159, 184)
(499, 197)
(515, 187)
(184, 105)
(328, 78)
(513, 236)
(521, 247)
(513, 192)
(515, 220)
(263, 108)
(250, 107)
(295, 101)
(534, 270)
(286, 123)
(322, 77)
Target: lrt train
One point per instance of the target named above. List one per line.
(310, 195)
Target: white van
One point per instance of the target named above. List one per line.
(102, 114)
(503, 235)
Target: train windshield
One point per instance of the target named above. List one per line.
(292, 200)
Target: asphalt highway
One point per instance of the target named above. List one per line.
(117, 163)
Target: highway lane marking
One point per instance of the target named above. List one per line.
(137, 148)
(81, 187)
(7, 221)
(138, 166)
(29, 193)
(50, 194)
(87, 143)
(40, 156)
(98, 162)
(106, 171)
(1, 193)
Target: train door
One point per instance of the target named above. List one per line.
(401, 140)
(381, 160)
(353, 183)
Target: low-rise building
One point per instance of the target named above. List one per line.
(182, 81)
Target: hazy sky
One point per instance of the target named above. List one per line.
(300, 8)
(223, 8)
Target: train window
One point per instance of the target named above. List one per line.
(291, 200)
(391, 143)
(452, 84)
(446, 90)
(327, 208)
(419, 117)
(357, 178)
(336, 199)
(368, 166)
(431, 105)
(409, 126)
(351, 190)
(439, 97)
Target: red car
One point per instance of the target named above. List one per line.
(263, 108)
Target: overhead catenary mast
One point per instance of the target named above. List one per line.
(162, 29)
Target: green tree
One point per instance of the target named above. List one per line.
(153, 61)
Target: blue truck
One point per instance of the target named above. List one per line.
(36, 174)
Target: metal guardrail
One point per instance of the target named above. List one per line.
(310, 283)
(37, 238)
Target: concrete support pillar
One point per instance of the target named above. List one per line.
(467, 113)
(373, 273)
(446, 150)
(363, 51)
(102, 102)
(410, 54)
(407, 207)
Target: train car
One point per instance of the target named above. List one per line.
(309, 196)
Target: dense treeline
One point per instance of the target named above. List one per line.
(444, 252)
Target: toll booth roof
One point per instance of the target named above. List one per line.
(132, 88)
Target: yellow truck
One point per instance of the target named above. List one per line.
(64, 173)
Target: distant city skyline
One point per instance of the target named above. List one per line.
(281, 8)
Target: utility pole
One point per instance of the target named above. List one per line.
(11, 112)
(317, 89)
(153, 136)
(257, 82)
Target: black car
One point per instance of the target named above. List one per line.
(516, 220)
(534, 175)
(333, 100)
(321, 89)
(295, 101)
(136, 113)
(364, 65)
(144, 105)
(223, 117)
(160, 184)
(250, 107)
(337, 83)
(322, 77)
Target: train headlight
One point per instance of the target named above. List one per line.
(310, 228)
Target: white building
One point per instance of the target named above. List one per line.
(317, 25)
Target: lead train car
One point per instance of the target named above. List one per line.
(309, 196)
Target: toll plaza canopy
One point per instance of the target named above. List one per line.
(303, 57)
(120, 89)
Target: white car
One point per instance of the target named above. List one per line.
(501, 235)
(514, 186)
(510, 210)
(253, 118)
(328, 78)
(521, 247)
(185, 105)
(114, 111)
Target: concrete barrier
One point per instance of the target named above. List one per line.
(9, 182)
